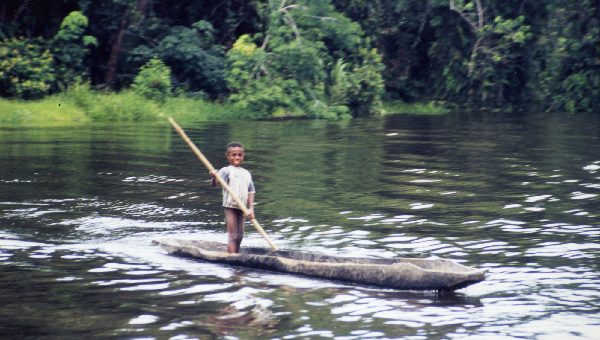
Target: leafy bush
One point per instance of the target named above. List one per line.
(70, 47)
(153, 81)
(25, 68)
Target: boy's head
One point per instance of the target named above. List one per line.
(235, 153)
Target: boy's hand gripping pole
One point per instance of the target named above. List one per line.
(221, 181)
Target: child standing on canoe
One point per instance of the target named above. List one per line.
(240, 182)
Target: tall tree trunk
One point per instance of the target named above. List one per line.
(500, 95)
(21, 9)
(422, 25)
(117, 43)
(3, 12)
(115, 51)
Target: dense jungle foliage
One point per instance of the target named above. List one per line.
(321, 58)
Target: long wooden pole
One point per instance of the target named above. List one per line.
(221, 181)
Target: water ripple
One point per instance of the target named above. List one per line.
(515, 196)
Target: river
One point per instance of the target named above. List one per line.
(515, 195)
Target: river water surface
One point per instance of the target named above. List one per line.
(518, 196)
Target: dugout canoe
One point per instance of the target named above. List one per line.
(398, 273)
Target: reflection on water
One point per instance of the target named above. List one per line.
(516, 196)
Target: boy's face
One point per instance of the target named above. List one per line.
(235, 155)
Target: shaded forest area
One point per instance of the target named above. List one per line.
(340, 57)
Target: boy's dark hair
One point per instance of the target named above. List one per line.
(235, 145)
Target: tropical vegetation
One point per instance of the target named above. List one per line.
(317, 58)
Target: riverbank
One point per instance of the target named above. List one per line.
(49, 111)
(431, 108)
(396, 107)
(81, 105)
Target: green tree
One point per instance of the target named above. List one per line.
(567, 57)
(309, 55)
(131, 32)
(496, 54)
(70, 47)
(470, 52)
(116, 24)
(33, 18)
(197, 61)
(401, 30)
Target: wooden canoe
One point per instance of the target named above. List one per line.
(398, 273)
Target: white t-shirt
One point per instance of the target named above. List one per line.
(240, 182)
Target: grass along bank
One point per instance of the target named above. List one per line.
(431, 108)
(49, 111)
(81, 105)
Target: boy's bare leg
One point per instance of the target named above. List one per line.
(235, 229)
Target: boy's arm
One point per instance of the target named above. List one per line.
(223, 173)
(213, 180)
(250, 205)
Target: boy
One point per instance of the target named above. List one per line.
(240, 181)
